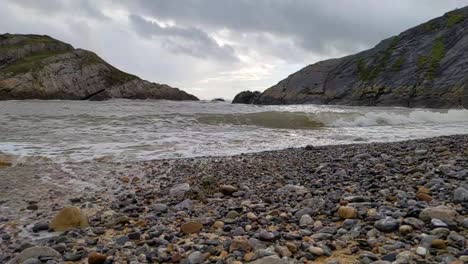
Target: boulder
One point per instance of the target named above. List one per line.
(69, 218)
(246, 97)
(36, 253)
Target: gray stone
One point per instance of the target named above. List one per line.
(37, 252)
(388, 224)
(160, 208)
(306, 220)
(179, 189)
(269, 260)
(460, 195)
(196, 257)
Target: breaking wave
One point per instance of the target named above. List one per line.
(317, 120)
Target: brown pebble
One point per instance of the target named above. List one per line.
(191, 227)
(347, 212)
(96, 258)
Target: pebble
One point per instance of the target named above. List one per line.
(387, 225)
(306, 220)
(346, 212)
(460, 195)
(96, 258)
(191, 227)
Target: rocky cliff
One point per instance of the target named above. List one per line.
(40, 67)
(425, 66)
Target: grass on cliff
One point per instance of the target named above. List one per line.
(454, 18)
(380, 62)
(432, 62)
(30, 63)
(118, 77)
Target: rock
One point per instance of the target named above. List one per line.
(414, 222)
(316, 251)
(439, 243)
(240, 243)
(218, 224)
(424, 197)
(134, 236)
(32, 261)
(266, 236)
(347, 212)
(387, 225)
(160, 208)
(283, 251)
(460, 195)
(40, 227)
(122, 240)
(191, 227)
(435, 223)
(246, 97)
(405, 229)
(251, 216)
(37, 253)
(357, 199)
(68, 218)
(232, 215)
(73, 256)
(421, 251)
(186, 204)
(77, 74)
(228, 189)
(269, 260)
(96, 258)
(440, 212)
(179, 189)
(196, 257)
(306, 220)
(351, 80)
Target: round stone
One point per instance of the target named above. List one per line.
(347, 212)
(306, 220)
(387, 225)
(316, 251)
(191, 227)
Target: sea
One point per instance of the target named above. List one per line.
(36, 131)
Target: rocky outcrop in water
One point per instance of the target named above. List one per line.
(40, 67)
(246, 97)
(424, 66)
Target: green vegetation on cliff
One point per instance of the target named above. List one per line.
(30, 63)
(454, 18)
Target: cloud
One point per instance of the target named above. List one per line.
(218, 48)
(186, 40)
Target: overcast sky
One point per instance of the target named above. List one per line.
(217, 48)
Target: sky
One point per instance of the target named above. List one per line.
(218, 48)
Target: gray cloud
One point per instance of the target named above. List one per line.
(190, 40)
(314, 25)
(218, 48)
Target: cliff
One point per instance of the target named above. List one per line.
(425, 66)
(40, 67)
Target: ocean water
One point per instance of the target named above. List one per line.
(37, 131)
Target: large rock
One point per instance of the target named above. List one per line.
(441, 212)
(40, 67)
(246, 97)
(421, 67)
(36, 253)
(69, 218)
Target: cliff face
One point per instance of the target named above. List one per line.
(426, 66)
(40, 67)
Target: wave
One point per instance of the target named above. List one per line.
(270, 119)
(317, 120)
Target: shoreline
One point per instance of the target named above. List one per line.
(279, 203)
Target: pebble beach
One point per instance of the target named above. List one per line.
(399, 202)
